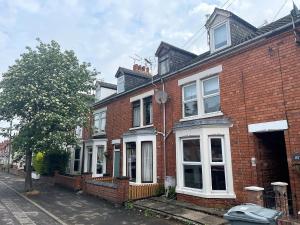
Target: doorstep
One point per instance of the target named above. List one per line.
(185, 212)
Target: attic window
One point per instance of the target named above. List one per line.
(121, 84)
(220, 36)
(164, 65)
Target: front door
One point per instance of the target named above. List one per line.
(116, 160)
(89, 159)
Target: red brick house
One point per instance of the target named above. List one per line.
(4, 152)
(231, 117)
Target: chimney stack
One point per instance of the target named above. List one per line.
(141, 69)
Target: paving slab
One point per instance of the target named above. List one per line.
(179, 212)
(15, 210)
(74, 209)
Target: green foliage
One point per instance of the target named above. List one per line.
(128, 205)
(171, 193)
(149, 213)
(46, 89)
(160, 190)
(56, 160)
(38, 162)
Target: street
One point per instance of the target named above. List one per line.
(67, 206)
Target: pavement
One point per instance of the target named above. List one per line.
(55, 205)
(14, 209)
(185, 212)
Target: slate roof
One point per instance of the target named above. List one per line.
(234, 16)
(280, 23)
(260, 31)
(123, 70)
(107, 85)
(167, 45)
(202, 122)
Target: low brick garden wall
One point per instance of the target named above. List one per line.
(72, 182)
(113, 190)
(18, 172)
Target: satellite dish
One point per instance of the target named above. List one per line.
(161, 97)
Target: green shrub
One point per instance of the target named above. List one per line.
(160, 190)
(128, 205)
(38, 162)
(56, 160)
(171, 193)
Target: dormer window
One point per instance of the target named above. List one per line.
(164, 65)
(220, 36)
(121, 84)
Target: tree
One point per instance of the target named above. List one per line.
(47, 91)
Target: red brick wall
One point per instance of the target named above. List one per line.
(116, 193)
(72, 182)
(260, 84)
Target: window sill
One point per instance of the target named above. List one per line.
(207, 115)
(199, 193)
(138, 184)
(137, 128)
(97, 134)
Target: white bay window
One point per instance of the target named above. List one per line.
(139, 158)
(192, 166)
(217, 163)
(203, 161)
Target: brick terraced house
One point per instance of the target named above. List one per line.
(210, 124)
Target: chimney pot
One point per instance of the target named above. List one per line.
(143, 68)
(135, 67)
(147, 70)
(139, 67)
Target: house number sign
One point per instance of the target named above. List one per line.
(296, 157)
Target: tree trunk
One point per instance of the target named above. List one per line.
(28, 179)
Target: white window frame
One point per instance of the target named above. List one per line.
(199, 78)
(141, 99)
(164, 60)
(79, 160)
(138, 140)
(191, 163)
(103, 160)
(100, 113)
(204, 134)
(203, 97)
(121, 84)
(93, 144)
(223, 163)
(212, 35)
(191, 100)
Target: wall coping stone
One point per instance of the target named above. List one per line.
(103, 184)
(254, 188)
(279, 184)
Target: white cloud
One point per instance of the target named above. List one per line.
(107, 32)
(203, 8)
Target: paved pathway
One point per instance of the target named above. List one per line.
(15, 210)
(69, 207)
(182, 211)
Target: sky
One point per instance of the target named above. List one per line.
(109, 33)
